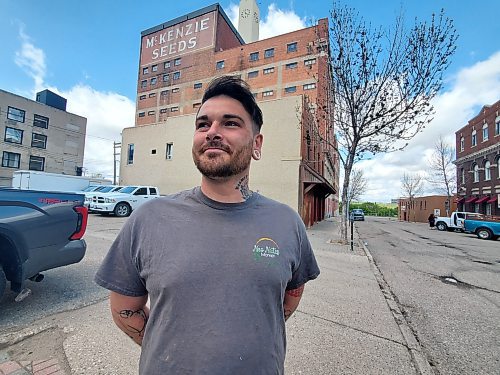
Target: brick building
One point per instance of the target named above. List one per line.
(477, 161)
(289, 77)
(39, 135)
(418, 209)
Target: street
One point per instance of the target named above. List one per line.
(448, 287)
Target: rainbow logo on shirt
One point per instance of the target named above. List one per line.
(266, 250)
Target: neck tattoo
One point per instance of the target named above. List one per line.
(242, 186)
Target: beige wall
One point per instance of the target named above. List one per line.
(276, 175)
(65, 136)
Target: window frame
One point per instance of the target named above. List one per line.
(38, 120)
(41, 160)
(290, 89)
(15, 117)
(310, 61)
(309, 86)
(290, 49)
(219, 65)
(130, 153)
(169, 151)
(253, 74)
(166, 77)
(268, 70)
(267, 93)
(485, 132)
(292, 65)
(154, 81)
(15, 130)
(474, 138)
(270, 54)
(154, 68)
(166, 64)
(145, 70)
(462, 143)
(177, 61)
(197, 85)
(254, 56)
(487, 170)
(33, 140)
(475, 171)
(176, 75)
(497, 126)
(4, 159)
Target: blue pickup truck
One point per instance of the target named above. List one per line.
(38, 231)
(487, 228)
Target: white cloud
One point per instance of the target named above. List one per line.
(31, 59)
(107, 113)
(471, 89)
(275, 22)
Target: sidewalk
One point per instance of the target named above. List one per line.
(346, 323)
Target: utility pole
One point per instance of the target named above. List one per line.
(116, 148)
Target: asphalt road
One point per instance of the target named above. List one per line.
(448, 287)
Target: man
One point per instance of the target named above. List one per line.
(223, 266)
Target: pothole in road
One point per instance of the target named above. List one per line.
(451, 280)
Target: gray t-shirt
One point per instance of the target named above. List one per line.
(216, 274)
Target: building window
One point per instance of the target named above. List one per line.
(11, 159)
(37, 163)
(463, 176)
(488, 209)
(197, 85)
(293, 65)
(462, 143)
(166, 65)
(268, 93)
(151, 113)
(153, 81)
(41, 121)
(38, 140)
(309, 86)
(142, 97)
(177, 61)
(254, 56)
(290, 89)
(142, 114)
(310, 62)
(219, 65)
(255, 94)
(474, 138)
(487, 170)
(166, 77)
(497, 162)
(176, 75)
(13, 135)
(269, 70)
(269, 53)
(196, 105)
(253, 74)
(164, 93)
(497, 126)
(175, 90)
(174, 109)
(291, 47)
(144, 84)
(476, 172)
(152, 95)
(145, 70)
(154, 68)
(15, 114)
(163, 110)
(130, 154)
(485, 132)
(170, 151)
(476, 208)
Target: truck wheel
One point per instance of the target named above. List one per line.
(122, 210)
(441, 226)
(484, 234)
(3, 282)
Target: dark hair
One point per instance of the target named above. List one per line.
(239, 90)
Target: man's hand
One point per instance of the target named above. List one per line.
(130, 314)
(291, 301)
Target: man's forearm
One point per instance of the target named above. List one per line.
(130, 314)
(292, 300)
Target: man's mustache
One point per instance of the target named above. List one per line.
(215, 144)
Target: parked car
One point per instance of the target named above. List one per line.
(125, 201)
(357, 214)
(485, 228)
(89, 195)
(39, 231)
(454, 222)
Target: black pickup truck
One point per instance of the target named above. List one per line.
(38, 231)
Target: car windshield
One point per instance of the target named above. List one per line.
(357, 211)
(90, 188)
(128, 189)
(106, 189)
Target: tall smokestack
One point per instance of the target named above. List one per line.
(248, 23)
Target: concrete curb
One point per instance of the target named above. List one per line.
(423, 367)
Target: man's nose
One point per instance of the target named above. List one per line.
(214, 131)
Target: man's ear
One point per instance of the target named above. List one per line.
(257, 145)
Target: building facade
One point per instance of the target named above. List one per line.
(418, 209)
(289, 76)
(478, 160)
(39, 135)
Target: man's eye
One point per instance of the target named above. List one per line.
(202, 125)
(231, 123)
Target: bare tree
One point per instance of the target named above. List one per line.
(357, 187)
(412, 185)
(382, 83)
(442, 170)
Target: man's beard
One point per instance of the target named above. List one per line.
(216, 166)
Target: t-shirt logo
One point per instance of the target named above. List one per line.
(266, 250)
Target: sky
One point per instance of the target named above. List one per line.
(88, 52)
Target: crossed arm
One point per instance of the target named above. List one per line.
(130, 314)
